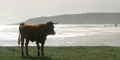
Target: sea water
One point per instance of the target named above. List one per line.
(65, 34)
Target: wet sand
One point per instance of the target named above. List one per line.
(97, 36)
(98, 40)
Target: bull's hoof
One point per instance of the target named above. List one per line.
(43, 55)
(27, 53)
(22, 54)
(38, 54)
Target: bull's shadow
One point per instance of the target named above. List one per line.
(37, 58)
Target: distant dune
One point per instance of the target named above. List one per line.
(86, 18)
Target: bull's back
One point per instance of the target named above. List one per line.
(32, 32)
(36, 31)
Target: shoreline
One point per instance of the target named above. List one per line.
(77, 36)
(94, 40)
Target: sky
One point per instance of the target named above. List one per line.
(14, 11)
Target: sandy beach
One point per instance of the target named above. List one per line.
(69, 36)
(99, 40)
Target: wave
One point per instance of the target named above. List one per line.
(10, 32)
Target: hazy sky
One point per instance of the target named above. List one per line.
(13, 11)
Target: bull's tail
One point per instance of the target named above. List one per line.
(19, 39)
(19, 36)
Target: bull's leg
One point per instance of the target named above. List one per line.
(22, 45)
(38, 47)
(42, 47)
(26, 44)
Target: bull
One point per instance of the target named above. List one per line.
(37, 33)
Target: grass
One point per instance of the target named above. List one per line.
(62, 53)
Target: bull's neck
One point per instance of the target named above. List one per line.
(45, 31)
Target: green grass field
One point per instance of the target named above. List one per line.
(62, 53)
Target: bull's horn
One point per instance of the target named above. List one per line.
(56, 23)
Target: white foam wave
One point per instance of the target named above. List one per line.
(10, 32)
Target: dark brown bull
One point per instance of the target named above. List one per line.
(37, 33)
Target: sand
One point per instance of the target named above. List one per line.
(95, 36)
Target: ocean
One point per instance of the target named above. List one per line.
(69, 35)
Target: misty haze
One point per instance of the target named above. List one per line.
(86, 30)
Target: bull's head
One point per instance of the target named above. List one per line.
(50, 28)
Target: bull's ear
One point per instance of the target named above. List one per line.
(56, 23)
